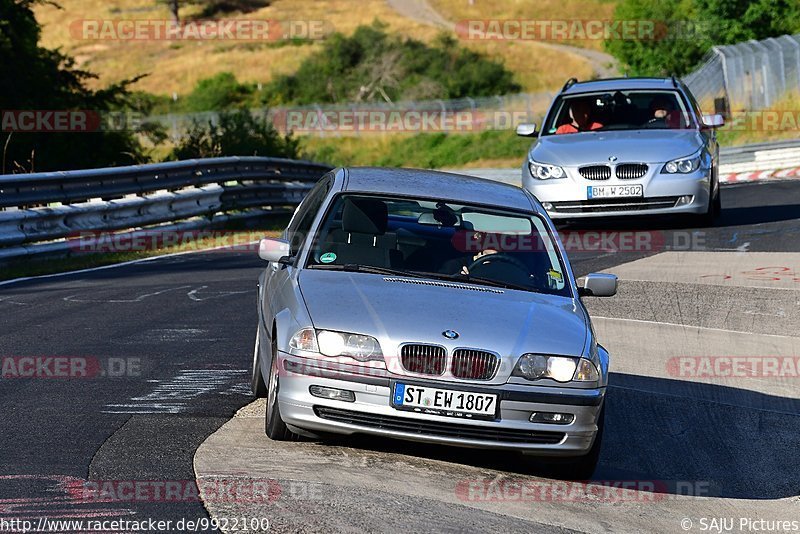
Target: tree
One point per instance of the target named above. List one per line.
(237, 133)
(689, 28)
(374, 65)
(174, 10)
(40, 80)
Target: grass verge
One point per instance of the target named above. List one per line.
(235, 236)
(428, 150)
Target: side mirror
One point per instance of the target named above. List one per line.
(527, 130)
(713, 121)
(598, 285)
(272, 249)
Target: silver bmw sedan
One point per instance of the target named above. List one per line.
(431, 307)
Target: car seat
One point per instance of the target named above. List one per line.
(363, 238)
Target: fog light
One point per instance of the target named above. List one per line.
(548, 206)
(552, 418)
(332, 393)
(684, 200)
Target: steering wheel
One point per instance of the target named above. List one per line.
(499, 257)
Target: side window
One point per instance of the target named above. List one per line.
(304, 216)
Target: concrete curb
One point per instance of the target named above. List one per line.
(762, 175)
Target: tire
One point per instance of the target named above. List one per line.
(714, 209)
(274, 427)
(257, 385)
(582, 467)
(718, 203)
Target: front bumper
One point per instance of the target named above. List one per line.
(567, 198)
(372, 413)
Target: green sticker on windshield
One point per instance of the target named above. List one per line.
(555, 279)
(328, 257)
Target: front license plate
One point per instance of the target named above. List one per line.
(614, 191)
(448, 402)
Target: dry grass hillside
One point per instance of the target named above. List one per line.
(177, 66)
(545, 10)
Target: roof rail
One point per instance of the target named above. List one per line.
(570, 83)
(674, 81)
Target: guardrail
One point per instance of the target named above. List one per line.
(775, 159)
(40, 212)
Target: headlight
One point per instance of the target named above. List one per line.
(543, 171)
(356, 346)
(683, 165)
(559, 368)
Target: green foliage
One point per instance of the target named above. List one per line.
(373, 65)
(686, 30)
(237, 133)
(659, 56)
(427, 150)
(220, 92)
(35, 78)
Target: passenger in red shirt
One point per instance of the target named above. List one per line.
(581, 113)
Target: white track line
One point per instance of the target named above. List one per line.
(123, 264)
(593, 317)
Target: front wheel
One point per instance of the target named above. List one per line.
(712, 213)
(274, 426)
(257, 384)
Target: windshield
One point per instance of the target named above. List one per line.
(618, 110)
(439, 240)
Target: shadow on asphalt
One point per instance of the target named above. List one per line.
(758, 215)
(723, 441)
(741, 216)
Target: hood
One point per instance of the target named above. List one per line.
(640, 146)
(504, 321)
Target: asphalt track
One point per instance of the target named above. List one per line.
(184, 327)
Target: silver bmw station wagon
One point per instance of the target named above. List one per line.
(626, 146)
(431, 307)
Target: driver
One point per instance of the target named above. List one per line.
(663, 114)
(478, 238)
(478, 243)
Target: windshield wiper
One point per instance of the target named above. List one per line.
(356, 268)
(468, 278)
